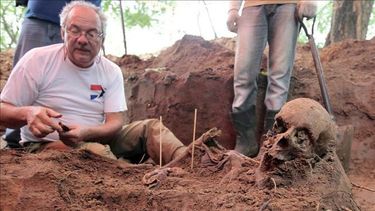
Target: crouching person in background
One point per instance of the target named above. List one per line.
(67, 95)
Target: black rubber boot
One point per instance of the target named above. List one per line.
(245, 125)
(269, 119)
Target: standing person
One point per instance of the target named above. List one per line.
(40, 27)
(262, 21)
(67, 95)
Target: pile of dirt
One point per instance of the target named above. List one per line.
(220, 179)
(191, 74)
(6, 64)
(198, 74)
(6, 61)
(350, 76)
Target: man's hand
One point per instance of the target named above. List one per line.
(232, 20)
(72, 135)
(40, 122)
(306, 9)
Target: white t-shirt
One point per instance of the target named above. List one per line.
(44, 77)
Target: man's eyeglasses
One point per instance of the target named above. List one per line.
(92, 35)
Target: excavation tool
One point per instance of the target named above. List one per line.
(344, 133)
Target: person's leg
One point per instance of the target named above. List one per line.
(251, 41)
(141, 139)
(283, 32)
(36, 33)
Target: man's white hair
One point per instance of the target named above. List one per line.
(68, 7)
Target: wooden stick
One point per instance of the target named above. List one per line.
(160, 153)
(364, 188)
(317, 206)
(274, 183)
(192, 149)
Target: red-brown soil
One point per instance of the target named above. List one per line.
(197, 74)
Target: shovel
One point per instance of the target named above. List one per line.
(344, 133)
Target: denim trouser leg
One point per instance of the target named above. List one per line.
(282, 38)
(258, 25)
(251, 41)
(36, 33)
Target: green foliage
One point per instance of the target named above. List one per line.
(371, 24)
(322, 24)
(138, 13)
(10, 20)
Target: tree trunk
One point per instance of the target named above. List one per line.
(350, 19)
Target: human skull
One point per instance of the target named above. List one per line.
(302, 128)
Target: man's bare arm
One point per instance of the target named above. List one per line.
(39, 119)
(12, 116)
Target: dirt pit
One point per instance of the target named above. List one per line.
(219, 180)
(197, 74)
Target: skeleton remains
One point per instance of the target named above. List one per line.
(298, 157)
(302, 135)
(302, 128)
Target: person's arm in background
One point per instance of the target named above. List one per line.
(234, 7)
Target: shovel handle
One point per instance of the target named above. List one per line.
(305, 28)
(318, 68)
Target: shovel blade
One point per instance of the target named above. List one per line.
(344, 144)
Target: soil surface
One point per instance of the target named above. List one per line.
(198, 74)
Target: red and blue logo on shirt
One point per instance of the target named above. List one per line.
(97, 88)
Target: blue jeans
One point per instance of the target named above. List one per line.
(276, 25)
(36, 33)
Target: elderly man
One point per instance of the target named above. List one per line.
(67, 96)
(40, 27)
(262, 21)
